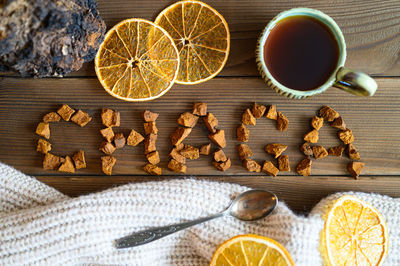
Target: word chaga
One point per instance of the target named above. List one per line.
(180, 152)
(51, 161)
(334, 119)
(249, 117)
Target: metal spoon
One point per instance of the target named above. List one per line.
(248, 206)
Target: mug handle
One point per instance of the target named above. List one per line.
(355, 82)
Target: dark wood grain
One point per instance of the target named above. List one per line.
(374, 121)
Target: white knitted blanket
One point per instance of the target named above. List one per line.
(39, 225)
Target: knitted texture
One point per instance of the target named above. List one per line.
(39, 225)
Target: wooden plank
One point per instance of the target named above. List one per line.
(374, 121)
(313, 189)
(371, 29)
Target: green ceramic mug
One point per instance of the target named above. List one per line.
(352, 81)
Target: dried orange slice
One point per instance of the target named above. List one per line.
(355, 233)
(137, 61)
(202, 37)
(251, 250)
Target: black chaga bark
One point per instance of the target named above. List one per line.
(41, 38)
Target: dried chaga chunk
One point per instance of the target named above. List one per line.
(79, 159)
(107, 164)
(150, 143)
(150, 128)
(67, 166)
(177, 166)
(336, 151)
(65, 112)
(248, 118)
(134, 138)
(218, 138)
(306, 149)
(107, 147)
(339, 123)
(275, 149)
(219, 156)
(211, 122)
(258, 110)
(242, 133)
(81, 118)
(174, 154)
(205, 149)
(346, 136)
(119, 140)
(251, 165)
(49, 38)
(110, 118)
(319, 152)
(270, 169)
(328, 113)
(200, 109)
(244, 151)
(355, 168)
(222, 166)
(149, 116)
(107, 133)
(317, 122)
(43, 146)
(152, 169)
(153, 157)
(304, 167)
(188, 119)
(43, 130)
(190, 152)
(52, 162)
(282, 122)
(311, 136)
(179, 135)
(271, 113)
(51, 117)
(352, 152)
(283, 163)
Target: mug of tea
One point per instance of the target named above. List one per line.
(302, 52)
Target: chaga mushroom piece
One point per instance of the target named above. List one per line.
(49, 38)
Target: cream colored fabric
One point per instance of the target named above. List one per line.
(39, 225)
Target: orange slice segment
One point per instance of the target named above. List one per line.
(251, 250)
(355, 233)
(202, 37)
(138, 61)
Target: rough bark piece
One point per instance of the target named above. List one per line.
(336, 151)
(49, 38)
(107, 164)
(150, 143)
(110, 118)
(179, 135)
(282, 122)
(270, 169)
(339, 123)
(107, 148)
(222, 166)
(177, 166)
(346, 136)
(190, 152)
(43, 130)
(317, 122)
(242, 133)
(311, 136)
(67, 166)
(219, 156)
(218, 138)
(43, 146)
(271, 113)
(205, 149)
(251, 165)
(79, 159)
(244, 151)
(248, 118)
(211, 122)
(174, 154)
(352, 152)
(355, 168)
(150, 128)
(304, 167)
(319, 152)
(306, 149)
(52, 162)
(275, 149)
(328, 113)
(188, 119)
(153, 157)
(81, 118)
(283, 163)
(200, 109)
(107, 133)
(65, 112)
(152, 169)
(258, 110)
(51, 117)
(134, 138)
(149, 116)
(119, 140)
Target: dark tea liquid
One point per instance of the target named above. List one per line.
(301, 53)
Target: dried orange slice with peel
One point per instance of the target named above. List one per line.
(202, 37)
(355, 233)
(137, 61)
(251, 250)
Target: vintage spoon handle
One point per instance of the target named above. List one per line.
(147, 236)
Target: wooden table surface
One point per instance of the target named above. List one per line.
(372, 32)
